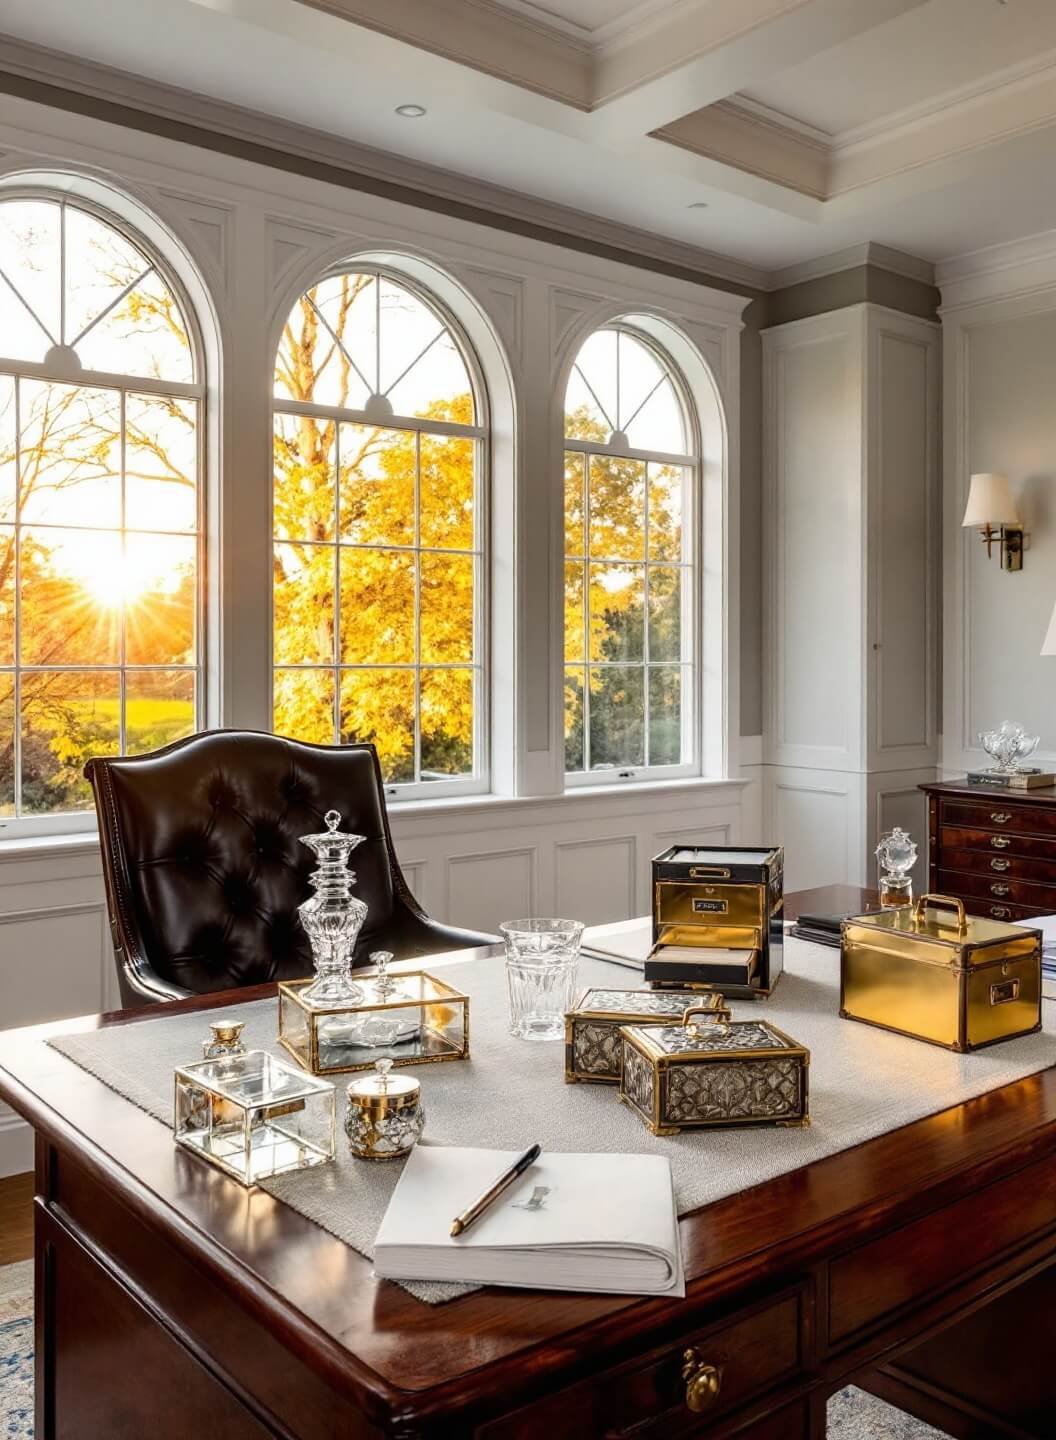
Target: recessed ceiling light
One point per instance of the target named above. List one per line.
(411, 112)
(697, 205)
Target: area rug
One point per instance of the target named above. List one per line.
(16, 1351)
(853, 1415)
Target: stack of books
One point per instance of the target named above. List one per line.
(1013, 780)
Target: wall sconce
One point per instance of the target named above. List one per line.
(990, 505)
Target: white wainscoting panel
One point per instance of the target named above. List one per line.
(492, 885)
(595, 880)
(817, 816)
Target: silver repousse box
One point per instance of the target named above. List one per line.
(708, 1073)
(592, 1030)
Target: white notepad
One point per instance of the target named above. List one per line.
(625, 942)
(603, 1223)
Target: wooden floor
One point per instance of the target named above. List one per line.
(16, 1218)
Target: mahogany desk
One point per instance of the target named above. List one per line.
(174, 1305)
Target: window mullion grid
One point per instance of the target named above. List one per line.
(122, 688)
(16, 749)
(417, 597)
(62, 272)
(646, 737)
(586, 613)
(336, 671)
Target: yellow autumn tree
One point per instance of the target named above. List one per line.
(352, 604)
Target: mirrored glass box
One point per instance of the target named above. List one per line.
(705, 1073)
(414, 1020)
(592, 1030)
(718, 916)
(253, 1116)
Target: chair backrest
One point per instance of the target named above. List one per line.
(203, 864)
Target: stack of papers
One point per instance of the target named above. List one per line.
(603, 1223)
(1047, 925)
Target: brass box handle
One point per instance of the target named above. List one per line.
(997, 863)
(1003, 992)
(1000, 817)
(937, 902)
(999, 888)
(703, 1381)
(708, 872)
(1000, 842)
(690, 1021)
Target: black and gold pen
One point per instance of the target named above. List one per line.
(505, 1180)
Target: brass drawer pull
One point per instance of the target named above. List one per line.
(703, 1381)
(999, 888)
(1000, 817)
(1000, 912)
(708, 872)
(997, 863)
(1000, 842)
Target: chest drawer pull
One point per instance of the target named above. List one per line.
(1000, 842)
(703, 1381)
(1000, 817)
(997, 863)
(1000, 912)
(999, 888)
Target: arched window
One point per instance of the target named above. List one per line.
(378, 526)
(100, 399)
(631, 464)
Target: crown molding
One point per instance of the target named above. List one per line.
(1016, 268)
(881, 257)
(125, 99)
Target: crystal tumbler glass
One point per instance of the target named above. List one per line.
(542, 958)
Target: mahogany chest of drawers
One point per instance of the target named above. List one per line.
(994, 849)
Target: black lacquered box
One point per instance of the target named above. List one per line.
(718, 914)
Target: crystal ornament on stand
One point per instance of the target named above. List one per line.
(896, 855)
(1008, 746)
(333, 916)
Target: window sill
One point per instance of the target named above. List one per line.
(572, 798)
(636, 794)
(43, 847)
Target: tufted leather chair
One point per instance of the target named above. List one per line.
(204, 870)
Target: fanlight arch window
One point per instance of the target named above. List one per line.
(378, 608)
(631, 592)
(101, 394)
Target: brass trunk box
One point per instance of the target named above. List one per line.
(955, 980)
(592, 1030)
(706, 1073)
(718, 916)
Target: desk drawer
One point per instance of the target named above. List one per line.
(999, 865)
(990, 842)
(1000, 889)
(996, 813)
(751, 1352)
(1002, 910)
(912, 1265)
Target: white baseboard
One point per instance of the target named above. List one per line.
(16, 1146)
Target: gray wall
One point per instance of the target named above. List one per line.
(1011, 426)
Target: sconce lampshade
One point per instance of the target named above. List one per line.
(1048, 645)
(990, 502)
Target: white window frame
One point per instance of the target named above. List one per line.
(73, 822)
(479, 781)
(691, 627)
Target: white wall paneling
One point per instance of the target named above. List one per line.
(999, 340)
(850, 456)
